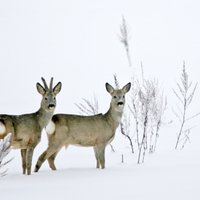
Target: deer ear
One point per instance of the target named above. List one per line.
(40, 89)
(109, 88)
(127, 87)
(57, 88)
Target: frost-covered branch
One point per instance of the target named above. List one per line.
(88, 107)
(124, 38)
(4, 151)
(147, 106)
(184, 94)
(125, 123)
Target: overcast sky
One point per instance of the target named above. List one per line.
(77, 42)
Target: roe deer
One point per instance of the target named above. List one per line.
(96, 131)
(26, 129)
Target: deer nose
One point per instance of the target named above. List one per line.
(51, 106)
(120, 103)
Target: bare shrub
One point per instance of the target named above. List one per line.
(125, 122)
(160, 105)
(184, 94)
(4, 151)
(147, 106)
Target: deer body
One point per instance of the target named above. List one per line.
(90, 126)
(91, 131)
(27, 136)
(26, 129)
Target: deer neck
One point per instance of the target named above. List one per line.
(114, 117)
(44, 117)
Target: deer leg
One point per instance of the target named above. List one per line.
(23, 155)
(101, 155)
(96, 156)
(102, 159)
(51, 160)
(29, 155)
(51, 150)
(40, 161)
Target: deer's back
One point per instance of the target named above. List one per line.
(83, 130)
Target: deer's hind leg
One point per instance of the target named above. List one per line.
(97, 157)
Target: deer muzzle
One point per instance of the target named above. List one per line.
(51, 106)
(120, 103)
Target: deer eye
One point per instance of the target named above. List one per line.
(46, 98)
(115, 97)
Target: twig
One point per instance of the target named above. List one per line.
(127, 136)
(185, 97)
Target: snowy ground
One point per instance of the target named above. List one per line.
(167, 174)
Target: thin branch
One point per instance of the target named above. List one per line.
(189, 118)
(116, 81)
(179, 98)
(186, 100)
(112, 148)
(127, 136)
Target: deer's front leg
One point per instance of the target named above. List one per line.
(29, 155)
(52, 150)
(100, 155)
(51, 159)
(40, 161)
(23, 155)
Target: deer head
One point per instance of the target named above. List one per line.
(118, 96)
(48, 102)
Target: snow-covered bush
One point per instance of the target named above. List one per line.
(125, 122)
(147, 106)
(4, 151)
(184, 94)
(124, 37)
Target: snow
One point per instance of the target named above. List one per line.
(77, 43)
(166, 174)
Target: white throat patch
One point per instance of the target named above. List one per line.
(50, 128)
(2, 128)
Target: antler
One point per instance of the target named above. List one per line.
(51, 84)
(45, 84)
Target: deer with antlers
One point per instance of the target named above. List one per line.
(95, 131)
(26, 129)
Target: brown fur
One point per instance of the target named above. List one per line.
(26, 129)
(96, 131)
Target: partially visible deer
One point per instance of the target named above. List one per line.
(96, 131)
(26, 129)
